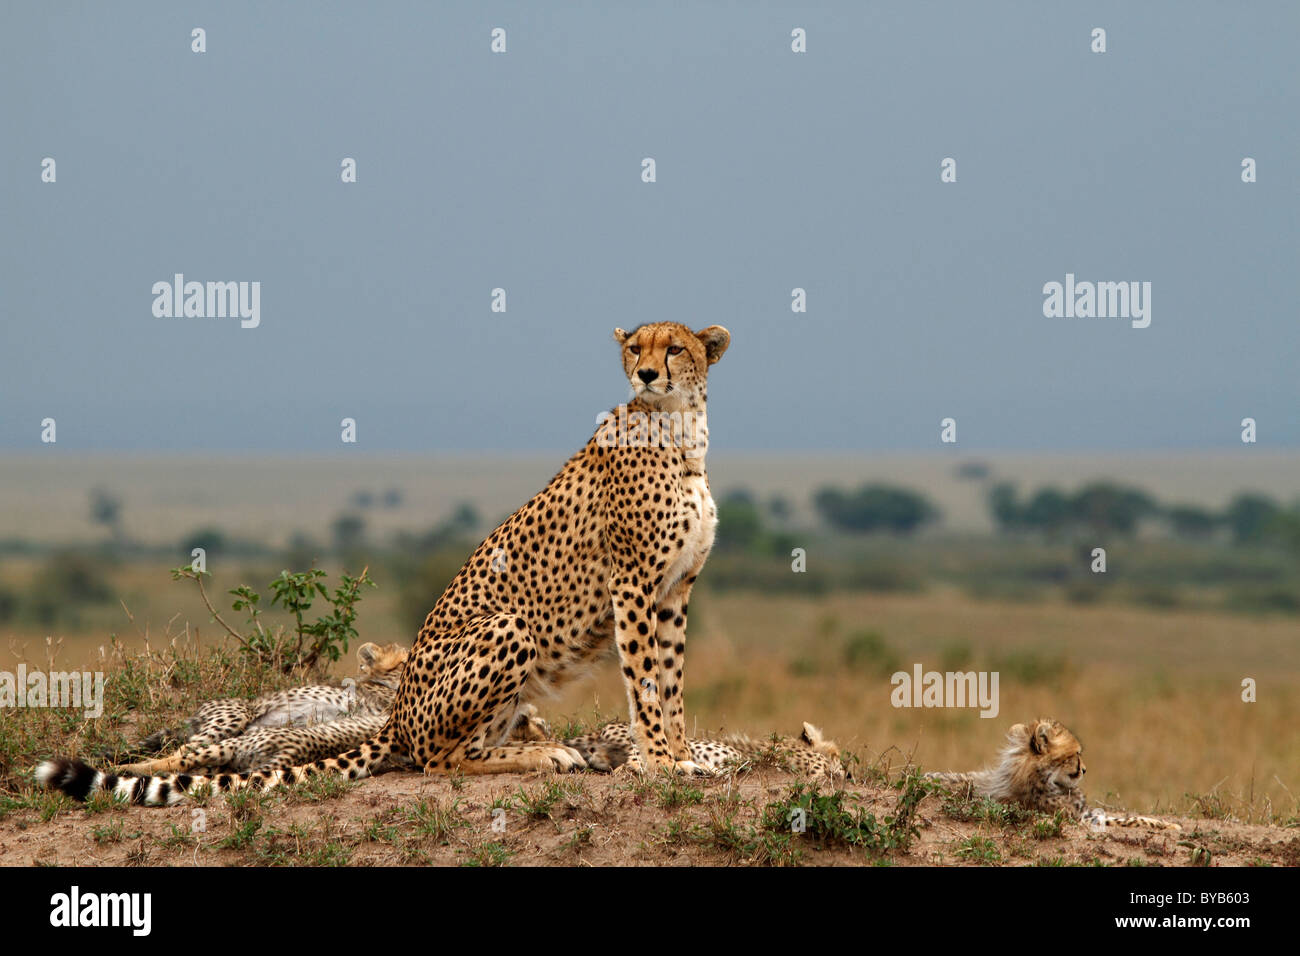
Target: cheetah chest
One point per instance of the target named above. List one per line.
(698, 517)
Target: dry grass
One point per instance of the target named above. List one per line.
(158, 685)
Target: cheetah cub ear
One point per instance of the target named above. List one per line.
(815, 740)
(367, 653)
(620, 336)
(1038, 741)
(715, 339)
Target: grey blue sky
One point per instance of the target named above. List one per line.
(775, 170)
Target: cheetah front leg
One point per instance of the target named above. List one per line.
(175, 762)
(237, 754)
(671, 641)
(635, 634)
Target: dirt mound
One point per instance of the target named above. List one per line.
(758, 818)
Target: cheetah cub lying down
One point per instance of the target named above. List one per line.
(379, 670)
(262, 732)
(266, 733)
(1041, 768)
(810, 754)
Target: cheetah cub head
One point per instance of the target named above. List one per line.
(667, 364)
(1046, 749)
(381, 665)
(813, 738)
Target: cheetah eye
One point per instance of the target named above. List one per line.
(674, 349)
(634, 349)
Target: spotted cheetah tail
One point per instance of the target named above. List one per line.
(82, 781)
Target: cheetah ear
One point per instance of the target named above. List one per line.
(811, 735)
(620, 336)
(1038, 739)
(367, 653)
(715, 339)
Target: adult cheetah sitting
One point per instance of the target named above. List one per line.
(608, 551)
(1041, 768)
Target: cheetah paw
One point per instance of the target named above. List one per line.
(688, 768)
(692, 769)
(565, 759)
(529, 726)
(607, 758)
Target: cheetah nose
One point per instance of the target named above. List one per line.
(647, 375)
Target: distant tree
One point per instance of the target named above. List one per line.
(874, 507)
(393, 498)
(739, 494)
(1103, 507)
(1188, 521)
(302, 551)
(1097, 508)
(1249, 516)
(465, 518)
(779, 507)
(363, 499)
(106, 509)
(1005, 508)
(1285, 526)
(1048, 511)
(740, 526)
(212, 540)
(349, 531)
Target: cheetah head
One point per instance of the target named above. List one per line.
(1055, 753)
(381, 664)
(813, 739)
(667, 364)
